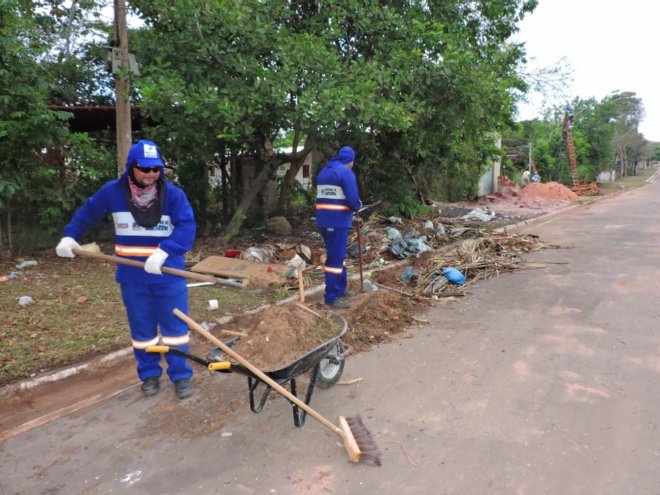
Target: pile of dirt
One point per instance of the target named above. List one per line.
(514, 204)
(279, 335)
(550, 190)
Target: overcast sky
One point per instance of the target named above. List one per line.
(610, 45)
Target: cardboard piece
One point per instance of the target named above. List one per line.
(255, 274)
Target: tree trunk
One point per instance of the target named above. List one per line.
(10, 243)
(224, 188)
(287, 184)
(290, 176)
(235, 188)
(258, 184)
(247, 201)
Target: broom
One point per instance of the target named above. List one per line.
(357, 440)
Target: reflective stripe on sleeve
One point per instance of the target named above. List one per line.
(142, 251)
(329, 269)
(143, 344)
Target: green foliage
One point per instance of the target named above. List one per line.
(42, 64)
(412, 85)
(655, 151)
(417, 88)
(601, 130)
(300, 197)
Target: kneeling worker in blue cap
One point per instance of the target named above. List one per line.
(337, 199)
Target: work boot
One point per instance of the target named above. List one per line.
(338, 304)
(183, 388)
(150, 386)
(348, 294)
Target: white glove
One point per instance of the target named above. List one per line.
(65, 247)
(155, 261)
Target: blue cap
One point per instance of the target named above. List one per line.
(346, 155)
(145, 153)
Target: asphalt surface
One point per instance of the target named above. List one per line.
(540, 381)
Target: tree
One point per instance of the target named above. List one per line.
(628, 142)
(41, 65)
(414, 86)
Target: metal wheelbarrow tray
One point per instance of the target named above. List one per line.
(326, 362)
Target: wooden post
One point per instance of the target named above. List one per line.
(123, 87)
(301, 285)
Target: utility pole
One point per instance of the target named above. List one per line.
(122, 86)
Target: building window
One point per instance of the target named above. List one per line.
(306, 171)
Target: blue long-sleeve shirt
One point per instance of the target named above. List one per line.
(337, 196)
(174, 233)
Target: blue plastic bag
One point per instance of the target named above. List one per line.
(454, 276)
(410, 275)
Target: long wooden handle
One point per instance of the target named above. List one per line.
(259, 374)
(139, 264)
(301, 285)
(359, 245)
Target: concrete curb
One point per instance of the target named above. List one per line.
(32, 383)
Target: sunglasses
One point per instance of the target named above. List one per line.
(146, 170)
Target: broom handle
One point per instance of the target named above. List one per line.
(259, 374)
(139, 264)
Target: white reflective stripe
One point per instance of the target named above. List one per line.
(125, 224)
(326, 206)
(337, 271)
(142, 344)
(329, 192)
(135, 250)
(184, 339)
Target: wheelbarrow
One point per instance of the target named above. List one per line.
(326, 362)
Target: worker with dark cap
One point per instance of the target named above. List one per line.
(154, 224)
(337, 200)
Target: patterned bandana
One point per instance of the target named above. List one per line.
(143, 196)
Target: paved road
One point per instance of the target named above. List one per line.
(541, 381)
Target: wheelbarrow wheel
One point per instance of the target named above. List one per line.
(331, 366)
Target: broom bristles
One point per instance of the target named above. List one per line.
(360, 436)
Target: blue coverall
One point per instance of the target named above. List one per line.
(149, 299)
(337, 199)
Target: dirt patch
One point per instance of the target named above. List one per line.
(550, 190)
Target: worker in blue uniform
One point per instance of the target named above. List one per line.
(154, 223)
(337, 200)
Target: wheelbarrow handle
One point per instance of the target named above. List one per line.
(139, 264)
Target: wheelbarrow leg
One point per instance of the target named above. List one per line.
(298, 414)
